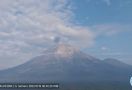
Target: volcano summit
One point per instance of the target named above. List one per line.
(68, 65)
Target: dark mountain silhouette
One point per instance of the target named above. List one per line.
(67, 64)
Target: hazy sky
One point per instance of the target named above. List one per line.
(102, 28)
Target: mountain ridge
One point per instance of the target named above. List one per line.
(74, 67)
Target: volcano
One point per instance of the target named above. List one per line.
(68, 65)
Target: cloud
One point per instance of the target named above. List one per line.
(108, 2)
(110, 29)
(104, 48)
(29, 26)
